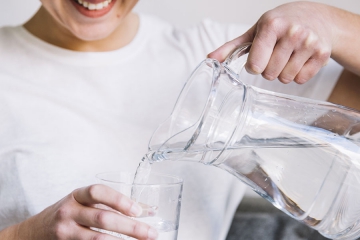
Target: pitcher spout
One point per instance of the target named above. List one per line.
(205, 116)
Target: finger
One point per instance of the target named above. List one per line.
(278, 60)
(261, 50)
(222, 52)
(308, 71)
(115, 222)
(102, 194)
(148, 210)
(86, 233)
(294, 65)
(319, 58)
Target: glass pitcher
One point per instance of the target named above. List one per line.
(302, 155)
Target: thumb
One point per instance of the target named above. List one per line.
(223, 51)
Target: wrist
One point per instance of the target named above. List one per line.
(346, 45)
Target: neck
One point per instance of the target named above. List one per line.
(45, 27)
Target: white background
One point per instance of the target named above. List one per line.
(179, 12)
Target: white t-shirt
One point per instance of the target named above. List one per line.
(66, 116)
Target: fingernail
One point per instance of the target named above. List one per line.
(149, 211)
(253, 69)
(135, 209)
(152, 234)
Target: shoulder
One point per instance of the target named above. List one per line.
(6, 35)
(213, 33)
(9, 40)
(154, 25)
(195, 41)
(6, 31)
(207, 31)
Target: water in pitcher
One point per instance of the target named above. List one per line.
(300, 154)
(315, 183)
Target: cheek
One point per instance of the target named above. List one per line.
(55, 8)
(124, 7)
(60, 12)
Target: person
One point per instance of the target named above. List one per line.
(84, 84)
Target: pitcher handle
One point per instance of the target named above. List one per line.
(236, 60)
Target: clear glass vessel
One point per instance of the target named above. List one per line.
(302, 155)
(159, 197)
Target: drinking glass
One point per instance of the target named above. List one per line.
(160, 198)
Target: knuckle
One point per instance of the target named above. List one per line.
(304, 76)
(274, 23)
(288, 75)
(140, 230)
(300, 80)
(60, 231)
(232, 44)
(100, 218)
(285, 79)
(253, 68)
(270, 24)
(99, 236)
(93, 191)
(62, 213)
(270, 20)
(268, 76)
(295, 32)
(323, 54)
(120, 199)
(310, 40)
(122, 202)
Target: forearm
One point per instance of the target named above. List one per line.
(346, 48)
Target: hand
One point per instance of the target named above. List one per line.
(72, 217)
(290, 42)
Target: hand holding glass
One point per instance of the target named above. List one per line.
(160, 199)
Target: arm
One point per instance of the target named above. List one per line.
(72, 217)
(347, 90)
(294, 40)
(347, 93)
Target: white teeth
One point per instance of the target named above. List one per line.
(99, 6)
(93, 6)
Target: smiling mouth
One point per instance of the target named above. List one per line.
(94, 6)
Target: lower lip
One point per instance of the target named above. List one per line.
(93, 13)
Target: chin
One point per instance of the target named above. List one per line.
(93, 33)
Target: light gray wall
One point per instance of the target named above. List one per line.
(185, 12)
(14, 12)
(179, 12)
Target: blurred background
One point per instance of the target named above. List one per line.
(180, 13)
